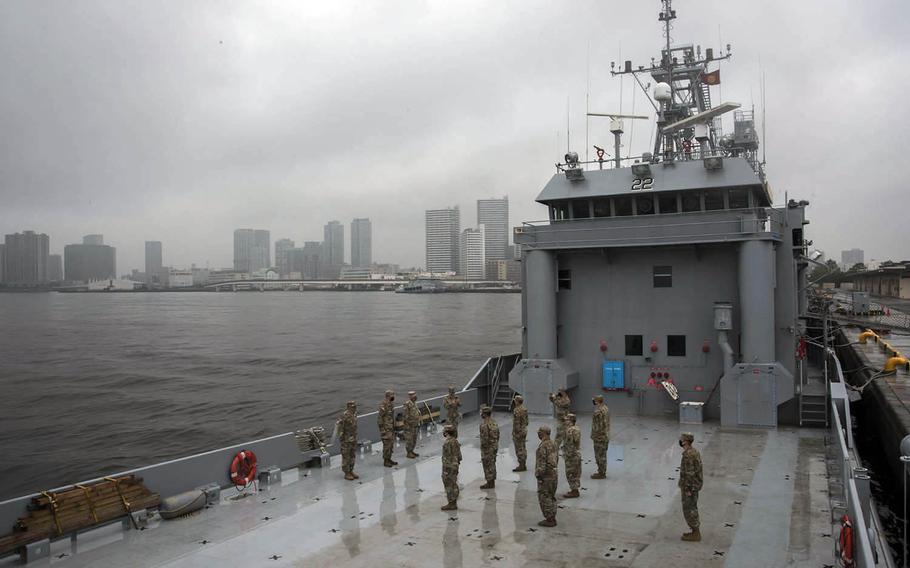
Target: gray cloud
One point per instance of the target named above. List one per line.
(181, 121)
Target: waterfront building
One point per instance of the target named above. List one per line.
(153, 262)
(25, 258)
(849, 258)
(222, 275)
(282, 260)
(361, 243)
(503, 270)
(443, 230)
(471, 254)
(54, 268)
(493, 214)
(2, 260)
(308, 261)
(333, 242)
(252, 250)
(179, 278)
(92, 260)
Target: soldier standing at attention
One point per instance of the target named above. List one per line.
(451, 459)
(347, 434)
(386, 420)
(520, 432)
(600, 434)
(571, 451)
(411, 422)
(452, 402)
(489, 446)
(546, 471)
(690, 483)
(561, 403)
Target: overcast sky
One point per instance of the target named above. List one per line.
(181, 121)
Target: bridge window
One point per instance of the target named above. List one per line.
(663, 276)
(601, 207)
(739, 198)
(581, 209)
(564, 279)
(667, 203)
(559, 211)
(676, 345)
(644, 205)
(633, 346)
(714, 200)
(623, 206)
(691, 201)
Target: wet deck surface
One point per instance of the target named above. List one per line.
(764, 503)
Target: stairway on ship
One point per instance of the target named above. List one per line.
(502, 398)
(813, 403)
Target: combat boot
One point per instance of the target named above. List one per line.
(521, 467)
(693, 536)
(349, 476)
(393, 462)
(413, 455)
(598, 475)
(571, 494)
(489, 484)
(354, 475)
(450, 506)
(548, 522)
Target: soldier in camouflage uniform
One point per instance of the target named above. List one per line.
(347, 435)
(520, 432)
(451, 459)
(561, 404)
(571, 451)
(489, 446)
(600, 435)
(546, 470)
(451, 403)
(386, 419)
(690, 483)
(411, 422)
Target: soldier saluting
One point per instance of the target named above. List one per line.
(561, 404)
(347, 434)
(690, 483)
(451, 403)
(545, 469)
(489, 446)
(520, 432)
(451, 460)
(386, 421)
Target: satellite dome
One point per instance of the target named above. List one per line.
(662, 92)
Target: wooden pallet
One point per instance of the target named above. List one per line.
(52, 515)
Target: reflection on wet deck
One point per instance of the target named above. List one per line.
(764, 504)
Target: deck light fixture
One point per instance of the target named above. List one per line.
(641, 170)
(714, 163)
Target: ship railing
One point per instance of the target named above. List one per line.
(489, 377)
(690, 154)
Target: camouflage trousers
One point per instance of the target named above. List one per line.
(348, 449)
(560, 431)
(690, 509)
(600, 454)
(521, 448)
(546, 496)
(388, 442)
(573, 471)
(410, 438)
(453, 418)
(450, 482)
(488, 459)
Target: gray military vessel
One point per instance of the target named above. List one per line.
(670, 283)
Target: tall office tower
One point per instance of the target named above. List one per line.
(282, 256)
(153, 262)
(442, 234)
(54, 268)
(25, 261)
(89, 262)
(850, 257)
(308, 260)
(333, 238)
(93, 240)
(472, 254)
(493, 214)
(361, 243)
(251, 250)
(2, 261)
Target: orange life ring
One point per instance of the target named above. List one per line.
(243, 468)
(845, 542)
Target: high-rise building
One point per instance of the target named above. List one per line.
(93, 239)
(2, 260)
(25, 262)
(252, 250)
(848, 258)
(54, 268)
(361, 243)
(333, 238)
(153, 263)
(89, 262)
(282, 258)
(308, 260)
(493, 214)
(442, 235)
(471, 254)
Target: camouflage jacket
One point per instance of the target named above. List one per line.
(520, 422)
(561, 405)
(451, 454)
(571, 445)
(690, 471)
(347, 427)
(385, 418)
(451, 402)
(411, 414)
(489, 435)
(547, 460)
(600, 424)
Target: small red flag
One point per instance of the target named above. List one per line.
(712, 78)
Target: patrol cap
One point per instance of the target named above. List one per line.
(451, 389)
(412, 393)
(485, 409)
(519, 398)
(449, 429)
(389, 393)
(561, 391)
(571, 417)
(545, 429)
(599, 398)
(687, 437)
(352, 403)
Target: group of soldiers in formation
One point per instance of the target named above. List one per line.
(568, 438)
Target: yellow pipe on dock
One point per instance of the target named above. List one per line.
(866, 335)
(892, 363)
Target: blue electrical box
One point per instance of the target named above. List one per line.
(614, 375)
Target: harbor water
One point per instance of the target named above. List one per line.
(97, 383)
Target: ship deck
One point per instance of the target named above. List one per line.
(764, 503)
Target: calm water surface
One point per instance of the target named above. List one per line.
(97, 383)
